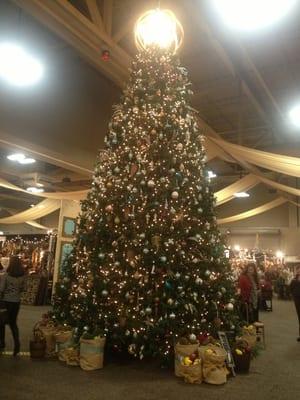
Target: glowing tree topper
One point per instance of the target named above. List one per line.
(158, 27)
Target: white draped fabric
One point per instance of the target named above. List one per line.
(254, 211)
(274, 162)
(75, 195)
(38, 226)
(245, 183)
(45, 207)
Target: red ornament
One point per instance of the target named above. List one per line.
(105, 55)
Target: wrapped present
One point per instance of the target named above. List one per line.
(188, 363)
(91, 353)
(213, 361)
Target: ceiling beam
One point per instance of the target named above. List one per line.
(82, 34)
(108, 15)
(95, 13)
(124, 29)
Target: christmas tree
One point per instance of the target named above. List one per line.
(148, 264)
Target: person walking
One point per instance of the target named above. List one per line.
(12, 284)
(248, 287)
(295, 292)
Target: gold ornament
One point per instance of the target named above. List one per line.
(155, 241)
(158, 27)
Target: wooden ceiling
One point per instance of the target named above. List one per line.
(243, 84)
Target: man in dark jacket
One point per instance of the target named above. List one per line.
(295, 291)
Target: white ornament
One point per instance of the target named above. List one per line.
(192, 337)
(151, 183)
(199, 281)
(229, 307)
(175, 195)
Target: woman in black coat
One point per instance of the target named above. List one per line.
(295, 291)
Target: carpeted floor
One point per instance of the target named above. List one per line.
(275, 375)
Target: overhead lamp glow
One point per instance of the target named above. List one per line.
(16, 157)
(294, 115)
(241, 194)
(211, 174)
(33, 189)
(18, 67)
(251, 15)
(158, 28)
(27, 161)
(20, 158)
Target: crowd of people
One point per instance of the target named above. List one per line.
(255, 288)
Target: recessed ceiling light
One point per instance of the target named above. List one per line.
(21, 158)
(18, 67)
(241, 194)
(26, 161)
(211, 174)
(294, 115)
(16, 157)
(250, 15)
(33, 189)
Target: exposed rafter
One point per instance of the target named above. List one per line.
(95, 13)
(107, 15)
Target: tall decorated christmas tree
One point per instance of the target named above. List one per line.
(148, 263)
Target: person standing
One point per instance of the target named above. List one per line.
(248, 286)
(295, 292)
(11, 286)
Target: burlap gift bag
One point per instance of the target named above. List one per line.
(71, 355)
(91, 353)
(213, 361)
(190, 373)
(49, 335)
(63, 340)
(249, 335)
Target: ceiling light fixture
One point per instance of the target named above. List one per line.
(33, 189)
(20, 158)
(250, 15)
(27, 161)
(16, 157)
(18, 67)
(294, 115)
(241, 194)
